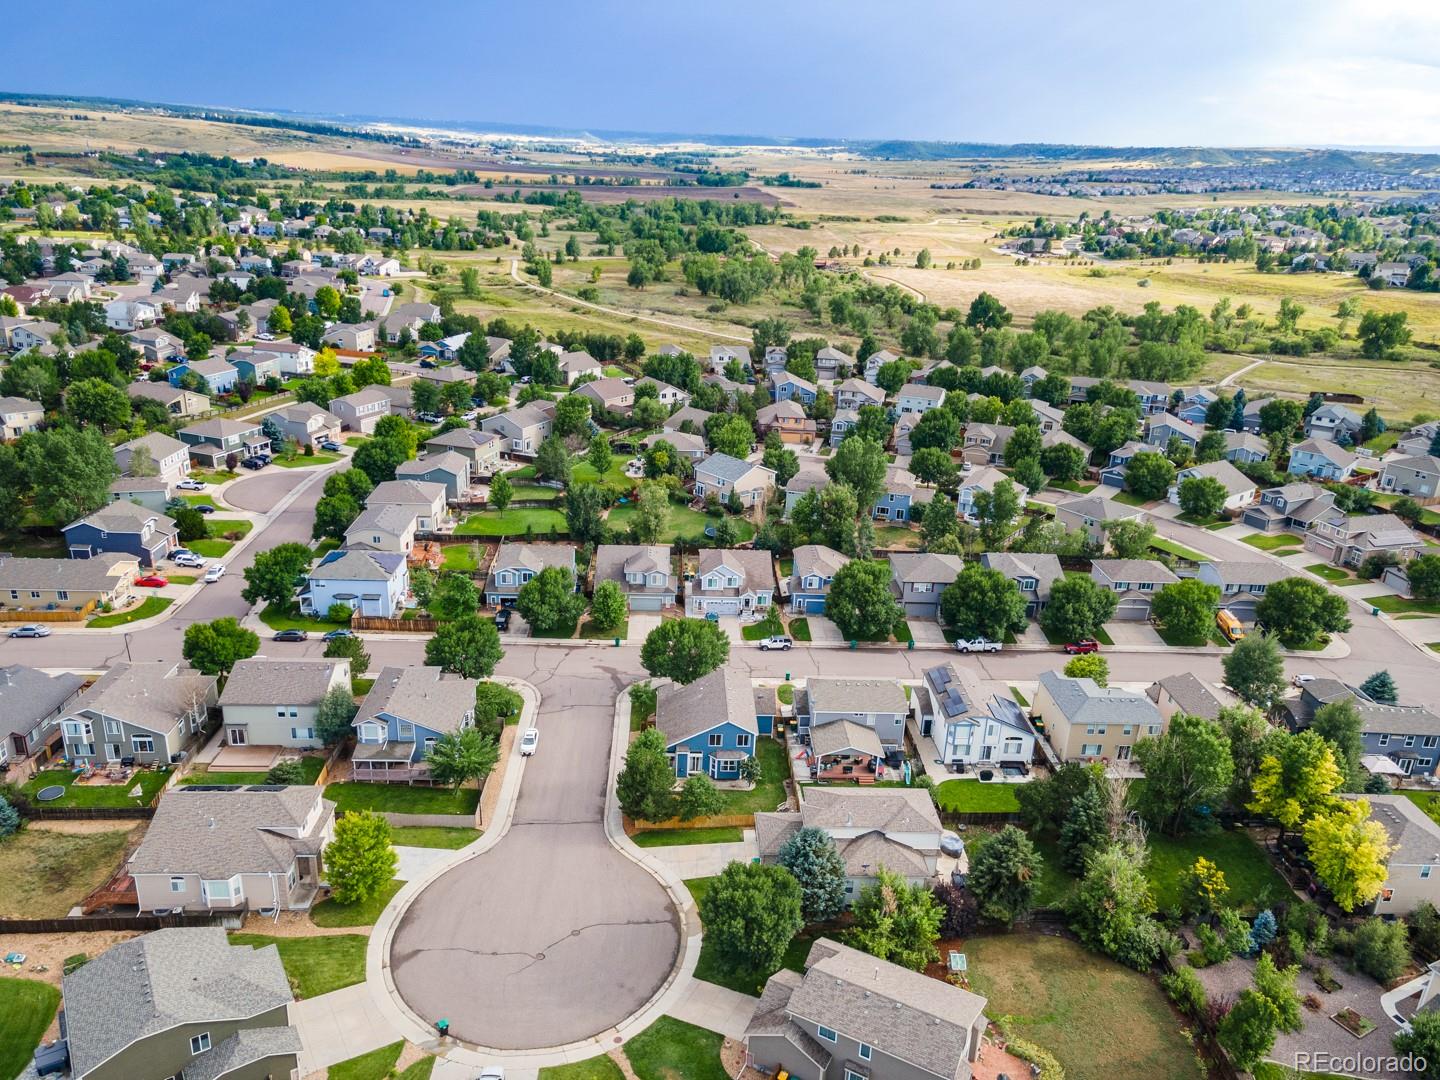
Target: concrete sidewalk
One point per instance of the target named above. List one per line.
(338, 1026)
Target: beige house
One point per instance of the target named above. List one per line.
(1184, 693)
(235, 850)
(362, 410)
(721, 474)
(1087, 722)
(169, 457)
(307, 423)
(182, 403)
(481, 447)
(19, 416)
(1413, 869)
(274, 702)
(1091, 513)
(65, 584)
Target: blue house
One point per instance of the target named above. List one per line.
(812, 575)
(1113, 474)
(710, 726)
(787, 387)
(123, 528)
(219, 375)
(1321, 459)
(406, 712)
(902, 499)
(766, 709)
(256, 367)
(1193, 413)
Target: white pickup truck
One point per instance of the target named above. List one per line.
(979, 644)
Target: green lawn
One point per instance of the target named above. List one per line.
(421, 1070)
(770, 791)
(1019, 697)
(1426, 800)
(432, 836)
(376, 1065)
(1080, 487)
(1427, 515)
(300, 461)
(98, 794)
(536, 493)
(683, 523)
(596, 1068)
(614, 478)
(330, 914)
(588, 629)
(1205, 521)
(311, 766)
(679, 837)
(1268, 1070)
(461, 557)
(512, 522)
(1254, 884)
(1129, 498)
(200, 500)
(785, 693)
(896, 536)
(43, 874)
(1101, 635)
(400, 799)
(26, 1009)
(149, 607)
(1054, 885)
(217, 476)
(278, 618)
(316, 965)
(800, 629)
(671, 1049)
(1180, 551)
(709, 967)
(1330, 573)
(359, 687)
(1392, 604)
(971, 796)
(1097, 1017)
(1273, 541)
(181, 579)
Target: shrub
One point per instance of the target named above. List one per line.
(1262, 931)
(1186, 991)
(1424, 925)
(9, 818)
(642, 701)
(1213, 947)
(1378, 948)
(286, 772)
(1047, 1066)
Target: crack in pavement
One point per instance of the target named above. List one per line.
(535, 957)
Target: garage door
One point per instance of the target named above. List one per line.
(725, 606)
(1133, 609)
(646, 603)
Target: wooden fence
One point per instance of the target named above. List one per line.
(72, 924)
(24, 616)
(718, 821)
(980, 819)
(42, 812)
(375, 622)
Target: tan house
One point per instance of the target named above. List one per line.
(788, 419)
(1184, 693)
(1087, 722)
(307, 423)
(19, 416)
(177, 402)
(1413, 869)
(274, 702)
(481, 447)
(721, 474)
(28, 585)
(1091, 513)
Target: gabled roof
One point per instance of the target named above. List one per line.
(406, 493)
(840, 694)
(125, 517)
(780, 378)
(446, 460)
(145, 695)
(160, 445)
(923, 391)
(816, 559)
(721, 697)
(1135, 570)
(1415, 836)
(351, 564)
(726, 468)
(1091, 506)
(1334, 453)
(1044, 568)
(1233, 480)
(1423, 463)
(1232, 572)
(218, 834)
(1083, 701)
(98, 573)
(423, 695)
(891, 810)
(535, 557)
(909, 567)
(1192, 696)
(259, 681)
(756, 567)
(28, 696)
(222, 429)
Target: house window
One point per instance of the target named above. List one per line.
(717, 739)
(742, 741)
(1090, 750)
(1424, 872)
(1430, 741)
(142, 744)
(280, 711)
(177, 884)
(1409, 741)
(1384, 740)
(1154, 729)
(112, 727)
(406, 729)
(1425, 762)
(62, 595)
(828, 1034)
(851, 1074)
(1095, 729)
(1027, 584)
(921, 586)
(864, 1052)
(306, 733)
(200, 1043)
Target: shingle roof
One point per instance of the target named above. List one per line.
(1092, 506)
(721, 697)
(1332, 452)
(352, 564)
(280, 682)
(756, 567)
(1044, 568)
(923, 391)
(448, 460)
(423, 695)
(369, 395)
(726, 468)
(1416, 838)
(1083, 701)
(246, 1047)
(126, 517)
(1192, 696)
(141, 694)
(614, 561)
(816, 559)
(1232, 478)
(160, 445)
(96, 574)
(898, 810)
(218, 834)
(162, 980)
(1249, 571)
(534, 557)
(845, 735)
(221, 429)
(840, 694)
(28, 696)
(1135, 570)
(912, 567)
(406, 493)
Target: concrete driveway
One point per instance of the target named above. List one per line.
(1133, 633)
(926, 631)
(640, 626)
(551, 936)
(823, 630)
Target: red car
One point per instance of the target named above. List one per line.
(1084, 645)
(152, 581)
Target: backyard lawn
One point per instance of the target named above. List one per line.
(974, 797)
(1254, 884)
(596, 1068)
(671, 1049)
(1097, 1017)
(614, 478)
(311, 766)
(1273, 541)
(512, 522)
(289, 618)
(330, 914)
(1426, 800)
(432, 836)
(316, 965)
(769, 793)
(723, 834)
(26, 1009)
(400, 799)
(150, 606)
(461, 557)
(149, 782)
(43, 874)
(895, 536)
(683, 523)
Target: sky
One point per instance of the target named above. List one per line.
(1106, 72)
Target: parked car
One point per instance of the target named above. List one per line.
(979, 644)
(1084, 645)
(191, 485)
(252, 463)
(215, 573)
(180, 553)
(502, 619)
(331, 445)
(778, 641)
(428, 418)
(151, 581)
(265, 337)
(335, 635)
(1302, 679)
(205, 508)
(190, 559)
(529, 741)
(427, 363)
(30, 630)
(292, 635)
(491, 1072)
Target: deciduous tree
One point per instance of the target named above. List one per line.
(1297, 611)
(468, 646)
(897, 921)
(459, 757)
(1188, 771)
(274, 575)
(1349, 851)
(1186, 609)
(1004, 871)
(548, 601)
(644, 784)
(1255, 670)
(607, 607)
(860, 603)
(750, 913)
(1078, 608)
(1296, 777)
(359, 862)
(215, 647)
(684, 649)
(983, 603)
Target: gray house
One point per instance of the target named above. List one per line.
(917, 580)
(136, 712)
(644, 572)
(31, 704)
(523, 428)
(1135, 583)
(1418, 477)
(180, 1002)
(853, 1017)
(443, 467)
(1033, 573)
(1409, 735)
(877, 704)
(813, 571)
(731, 581)
(515, 564)
(1242, 582)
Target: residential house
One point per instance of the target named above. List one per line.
(19, 416)
(897, 828)
(384, 527)
(1047, 416)
(1088, 722)
(1293, 506)
(401, 398)
(306, 423)
(169, 457)
(446, 376)
(669, 396)
(1118, 464)
(1195, 406)
(140, 713)
(443, 467)
(919, 398)
(1322, 460)
(721, 474)
(152, 492)
(1154, 396)
(1242, 583)
(903, 498)
(241, 849)
(275, 702)
(813, 572)
(854, 393)
(67, 584)
(845, 752)
(1184, 693)
(33, 335)
(155, 345)
(875, 361)
(123, 528)
(1349, 541)
(1417, 477)
(409, 317)
(677, 420)
(645, 574)
(968, 730)
(877, 705)
(1242, 446)
(405, 713)
(721, 355)
(688, 446)
(841, 424)
(731, 581)
(368, 582)
(1239, 488)
(291, 358)
(180, 1002)
(362, 410)
(177, 402)
(211, 442)
(1034, 574)
(811, 476)
(1411, 869)
(608, 395)
(970, 483)
(1091, 513)
(579, 365)
(255, 365)
(31, 704)
(917, 580)
(900, 437)
(425, 499)
(788, 420)
(480, 448)
(829, 361)
(515, 564)
(710, 725)
(359, 337)
(1333, 422)
(447, 348)
(219, 376)
(985, 443)
(1394, 274)
(775, 359)
(1418, 439)
(787, 387)
(128, 315)
(523, 428)
(1135, 583)
(1162, 427)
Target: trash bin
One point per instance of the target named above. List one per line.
(910, 645)
(854, 645)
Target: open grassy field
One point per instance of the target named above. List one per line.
(44, 874)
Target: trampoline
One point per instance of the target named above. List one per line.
(50, 794)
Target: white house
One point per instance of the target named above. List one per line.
(968, 731)
(368, 582)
